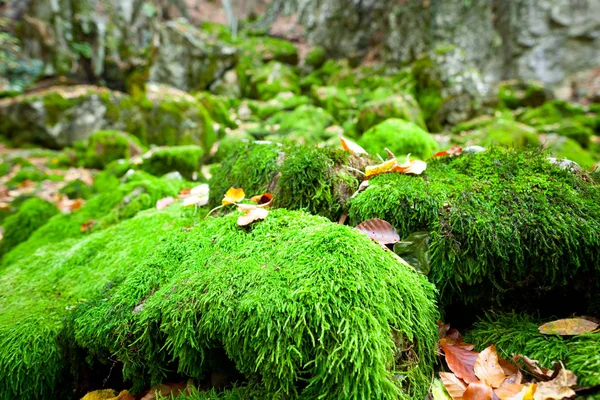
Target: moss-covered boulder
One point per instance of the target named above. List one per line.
(564, 147)
(189, 58)
(514, 94)
(268, 80)
(502, 130)
(32, 214)
(316, 57)
(104, 147)
(306, 124)
(399, 136)
(162, 294)
(60, 116)
(284, 101)
(267, 49)
(518, 334)
(301, 177)
(402, 106)
(186, 160)
(335, 100)
(504, 226)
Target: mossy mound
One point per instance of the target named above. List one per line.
(342, 320)
(186, 160)
(334, 100)
(502, 130)
(514, 94)
(305, 178)
(268, 80)
(284, 101)
(32, 214)
(504, 225)
(399, 106)
(399, 136)
(306, 124)
(104, 147)
(269, 49)
(316, 57)
(561, 146)
(518, 334)
(76, 189)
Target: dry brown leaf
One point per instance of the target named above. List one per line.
(454, 151)
(263, 200)
(252, 213)
(164, 203)
(415, 167)
(454, 385)
(478, 391)
(487, 368)
(526, 393)
(233, 196)
(352, 147)
(541, 373)
(379, 230)
(76, 205)
(184, 192)
(510, 370)
(508, 390)
(568, 327)
(86, 226)
(461, 362)
(558, 388)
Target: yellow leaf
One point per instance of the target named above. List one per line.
(233, 196)
(455, 386)
(488, 369)
(378, 169)
(568, 326)
(352, 147)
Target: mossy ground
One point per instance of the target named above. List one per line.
(150, 292)
(502, 223)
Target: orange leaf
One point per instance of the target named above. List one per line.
(87, 225)
(263, 200)
(378, 169)
(478, 391)
(488, 369)
(454, 151)
(76, 205)
(461, 362)
(415, 167)
(379, 230)
(164, 203)
(454, 385)
(526, 393)
(185, 191)
(233, 196)
(507, 391)
(568, 327)
(252, 213)
(352, 147)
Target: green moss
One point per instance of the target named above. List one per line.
(334, 99)
(55, 106)
(284, 101)
(217, 108)
(401, 137)
(178, 313)
(272, 78)
(510, 134)
(563, 147)
(306, 124)
(104, 147)
(503, 225)
(187, 160)
(32, 214)
(269, 48)
(399, 106)
(428, 90)
(518, 334)
(515, 94)
(76, 189)
(316, 57)
(32, 174)
(5, 168)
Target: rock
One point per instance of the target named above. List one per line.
(284, 101)
(402, 106)
(265, 49)
(400, 137)
(186, 160)
(306, 124)
(188, 58)
(268, 80)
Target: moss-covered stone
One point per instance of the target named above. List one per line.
(186, 160)
(503, 224)
(514, 94)
(316, 57)
(402, 106)
(32, 214)
(76, 189)
(269, 49)
(104, 147)
(399, 136)
(306, 124)
(306, 178)
(564, 147)
(334, 100)
(272, 78)
(518, 334)
(284, 101)
(162, 297)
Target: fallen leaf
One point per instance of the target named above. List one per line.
(478, 391)
(526, 393)
(510, 370)
(558, 388)
(263, 200)
(454, 385)
(76, 205)
(461, 361)
(164, 203)
(200, 190)
(487, 368)
(416, 167)
(195, 201)
(166, 390)
(439, 392)
(379, 230)
(233, 196)
(379, 169)
(352, 147)
(108, 394)
(568, 327)
(184, 192)
(454, 151)
(87, 225)
(252, 213)
(507, 390)
(539, 372)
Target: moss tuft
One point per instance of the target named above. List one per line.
(401, 137)
(32, 214)
(104, 147)
(77, 189)
(186, 160)
(515, 94)
(270, 79)
(398, 106)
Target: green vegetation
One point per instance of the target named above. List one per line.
(186, 160)
(515, 94)
(518, 334)
(400, 137)
(399, 106)
(105, 146)
(488, 215)
(273, 78)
